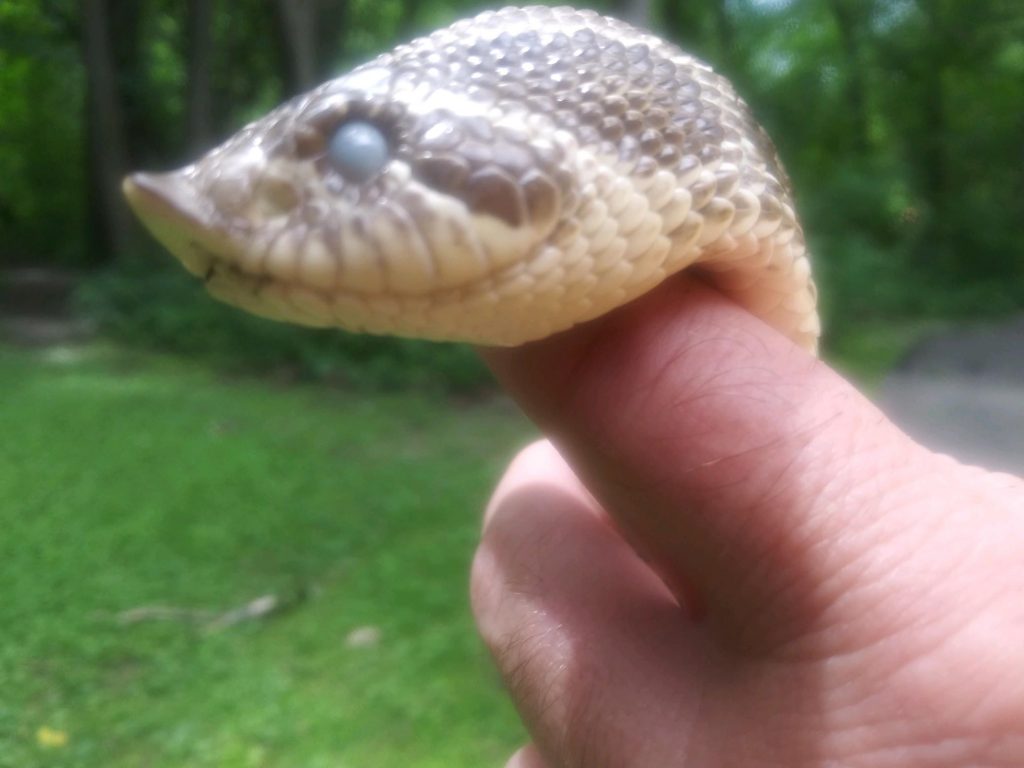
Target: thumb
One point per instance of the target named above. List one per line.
(746, 471)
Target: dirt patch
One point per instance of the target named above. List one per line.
(37, 310)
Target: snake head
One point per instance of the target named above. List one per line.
(497, 181)
(386, 200)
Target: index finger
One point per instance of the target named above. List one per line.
(725, 452)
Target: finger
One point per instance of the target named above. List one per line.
(594, 649)
(527, 757)
(731, 457)
(541, 464)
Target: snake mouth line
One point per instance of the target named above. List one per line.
(177, 217)
(221, 270)
(171, 211)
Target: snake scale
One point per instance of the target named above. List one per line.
(495, 182)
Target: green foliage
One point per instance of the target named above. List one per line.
(157, 305)
(42, 163)
(900, 126)
(134, 485)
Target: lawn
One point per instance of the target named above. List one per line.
(128, 483)
(132, 483)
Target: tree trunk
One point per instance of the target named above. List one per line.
(112, 227)
(297, 29)
(330, 44)
(199, 101)
(127, 55)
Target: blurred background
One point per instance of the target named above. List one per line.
(234, 543)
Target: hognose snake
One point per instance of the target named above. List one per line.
(495, 182)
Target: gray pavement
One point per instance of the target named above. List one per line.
(962, 393)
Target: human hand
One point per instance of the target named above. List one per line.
(828, 592)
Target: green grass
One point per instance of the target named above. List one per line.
(130, 482)
(127, 483)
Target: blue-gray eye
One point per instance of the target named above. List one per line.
(358, 150)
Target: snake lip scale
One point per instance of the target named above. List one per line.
(497, 181)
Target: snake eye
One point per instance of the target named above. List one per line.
(358, 150)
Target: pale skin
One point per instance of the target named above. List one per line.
(815, 589)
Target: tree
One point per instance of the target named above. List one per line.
(108, 155)
(308, 39)
(297, 27)
(199, 99)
